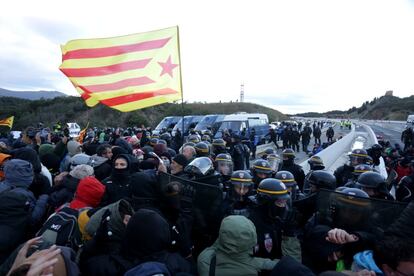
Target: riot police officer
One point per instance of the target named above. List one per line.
(260, 169)
(359, 169)
(237, 198)
(268, 216)
(219, 146)
(374, 185)
(224, 165)
(316, 163)
(288, 179)
(202, 149)
(343, 174)
(288, 164)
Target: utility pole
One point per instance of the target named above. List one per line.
(242, 93)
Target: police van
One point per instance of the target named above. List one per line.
(189, 123)
(166, 123)
(240, 122)
(211, 122)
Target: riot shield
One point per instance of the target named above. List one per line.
(207, 200)
(353, 213)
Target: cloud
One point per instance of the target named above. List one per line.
(55, 31)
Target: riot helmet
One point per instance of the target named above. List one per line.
(241, 182)
(224, 164)
(373, 184)
(219, 146)
(194, 138)
(316, 163)
(316, 180)
(261, 169)
(358, 156)
(202, 149)
(287, 178)
(205, 138)
(274, 161)
(271, 189)
(273, 196)
(201, 166)
(360, 169)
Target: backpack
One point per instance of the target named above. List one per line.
(62, 228)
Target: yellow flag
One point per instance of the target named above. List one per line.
(127, 72)
(7, 122)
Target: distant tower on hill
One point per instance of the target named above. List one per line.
(242, 93)
(388, 93)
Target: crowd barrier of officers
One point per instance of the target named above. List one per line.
(133, 200)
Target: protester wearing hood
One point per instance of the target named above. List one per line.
(143, 192)
(101, 162)
(88, 193)
(120, 142)
(18, 177)
(118, 183)
(141, 244)
(64, 192)
(116, 217)
(232, 252)
(73, 148)
(40, 184)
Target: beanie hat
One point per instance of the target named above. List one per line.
(81, 171)
(45, 149)
(180, 159)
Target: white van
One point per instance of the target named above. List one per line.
(240, 121)
(74, 129)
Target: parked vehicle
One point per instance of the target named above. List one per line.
(166, 123)
(211, 122)
(245, 121)
(189, 122)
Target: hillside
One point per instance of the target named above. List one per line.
(31, 95)
(73, 109)
(384, 108)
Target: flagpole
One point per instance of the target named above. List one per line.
(181, 84)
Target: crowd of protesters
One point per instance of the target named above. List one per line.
(127, 202)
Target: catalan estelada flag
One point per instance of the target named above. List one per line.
(127, 72)
(7, 122)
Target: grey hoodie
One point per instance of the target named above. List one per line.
(115, 224)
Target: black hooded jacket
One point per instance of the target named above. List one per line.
(141, 244)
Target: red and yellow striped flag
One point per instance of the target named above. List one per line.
(7, 122)
(127, 72)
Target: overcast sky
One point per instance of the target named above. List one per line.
(294, 56)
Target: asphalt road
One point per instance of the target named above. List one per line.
(389, 132)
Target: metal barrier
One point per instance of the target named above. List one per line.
(332, 153)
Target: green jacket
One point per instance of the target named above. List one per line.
(233, 250)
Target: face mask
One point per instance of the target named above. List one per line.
(120, 173)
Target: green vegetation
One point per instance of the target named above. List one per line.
(383, 108)
(73, 109)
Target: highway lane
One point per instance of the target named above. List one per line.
(389, 132)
